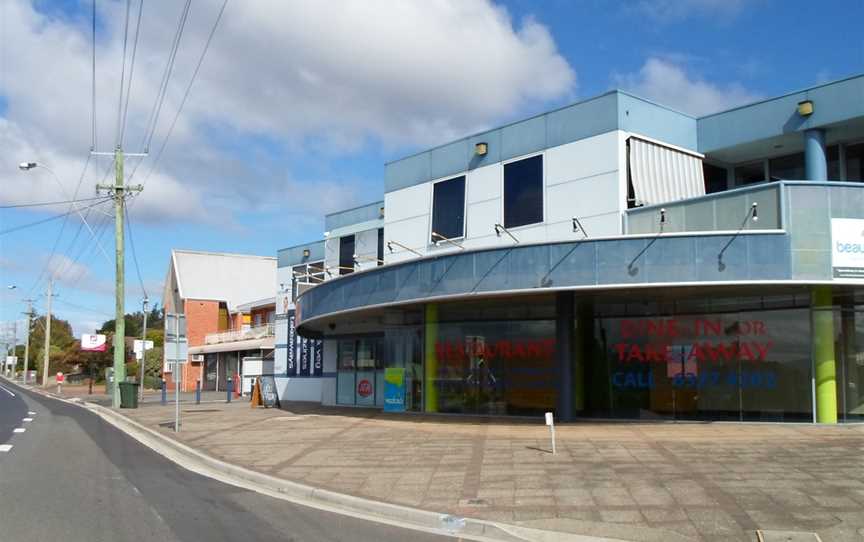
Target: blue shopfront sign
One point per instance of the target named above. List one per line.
(394, 389)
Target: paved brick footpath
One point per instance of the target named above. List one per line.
(635, 481)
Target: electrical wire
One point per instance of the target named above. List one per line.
(93, 87)
(123, 72)
(62, 227)
(185, 95)
(166, 75)
(42, 204)
(80, 307)
(131, 71)
(134, 253)
(44, 220)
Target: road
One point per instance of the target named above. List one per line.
(72, 477)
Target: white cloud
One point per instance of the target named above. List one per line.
(282, 76)
(669, 83)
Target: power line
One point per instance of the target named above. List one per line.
(65, 220)
(42, 204)
(131, 70)
(44, 220)
(93, 87)
(80, 307)
(134, 254)
(185, 94)
(166, 75)
(123, 72)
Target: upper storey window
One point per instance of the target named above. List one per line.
(523, 192)
(448, 209)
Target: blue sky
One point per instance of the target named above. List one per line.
(297, 107)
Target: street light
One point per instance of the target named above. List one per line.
(27, 166)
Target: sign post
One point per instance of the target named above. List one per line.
(550, 421)
(60, 379)
(175, 356)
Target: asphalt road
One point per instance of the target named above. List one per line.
(73, 477)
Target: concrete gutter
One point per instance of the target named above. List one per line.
(322, 499)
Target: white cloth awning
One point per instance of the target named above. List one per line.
(234, 346)
(661, 174)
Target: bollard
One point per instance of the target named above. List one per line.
(198, 392)
(229, 384)
(164, 393)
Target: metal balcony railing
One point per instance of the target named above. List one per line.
(234, 335)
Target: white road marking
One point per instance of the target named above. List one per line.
(7, 391)
(26, 419)
(18, 430)
(5, 447)
(31, 413)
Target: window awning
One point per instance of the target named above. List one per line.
(661, 174)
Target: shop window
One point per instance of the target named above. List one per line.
(523, 192)
(729, 362)
(790, 167)
(715, 178)
(855, 162)
(346, 254)
(448, 209)
(753, 172)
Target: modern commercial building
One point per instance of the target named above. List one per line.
(613, 258)
(229, 318)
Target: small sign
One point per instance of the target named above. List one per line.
(93, 342)
(267, 386)
(11, 360)
(847, 248)
(140, 346)
(364, 388)
(60, 378)
(394, 389)
(549, 419)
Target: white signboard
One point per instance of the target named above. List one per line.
(847, 248)
(11, 360)
(139, 346)
(93, 343)
(176, 347)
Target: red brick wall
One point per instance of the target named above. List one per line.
(202, 317)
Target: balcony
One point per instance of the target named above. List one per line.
(235, 335)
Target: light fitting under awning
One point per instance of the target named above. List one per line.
(661, 174)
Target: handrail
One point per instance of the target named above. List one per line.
(234, 335)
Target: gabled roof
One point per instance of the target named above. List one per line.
(232, 278)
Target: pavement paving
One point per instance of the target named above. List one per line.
(632, 481)
(74, 477)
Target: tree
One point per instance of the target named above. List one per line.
(62, 344)
(135, 322)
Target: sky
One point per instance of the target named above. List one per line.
(297, 105)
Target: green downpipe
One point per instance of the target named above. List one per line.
(431, 337)
(823, 355)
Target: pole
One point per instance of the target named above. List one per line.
(118, 190)
(119, 285)
(177, 375)
(47, 353)
(27, 342)
(143, 354)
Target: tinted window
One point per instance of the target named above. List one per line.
(448, 209)
(750, 173)
(789, 167)
(523, 192)
(715, 178)
(380, 246)
(346, 254)
(855, 162)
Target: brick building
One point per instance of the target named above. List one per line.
(221, 296)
